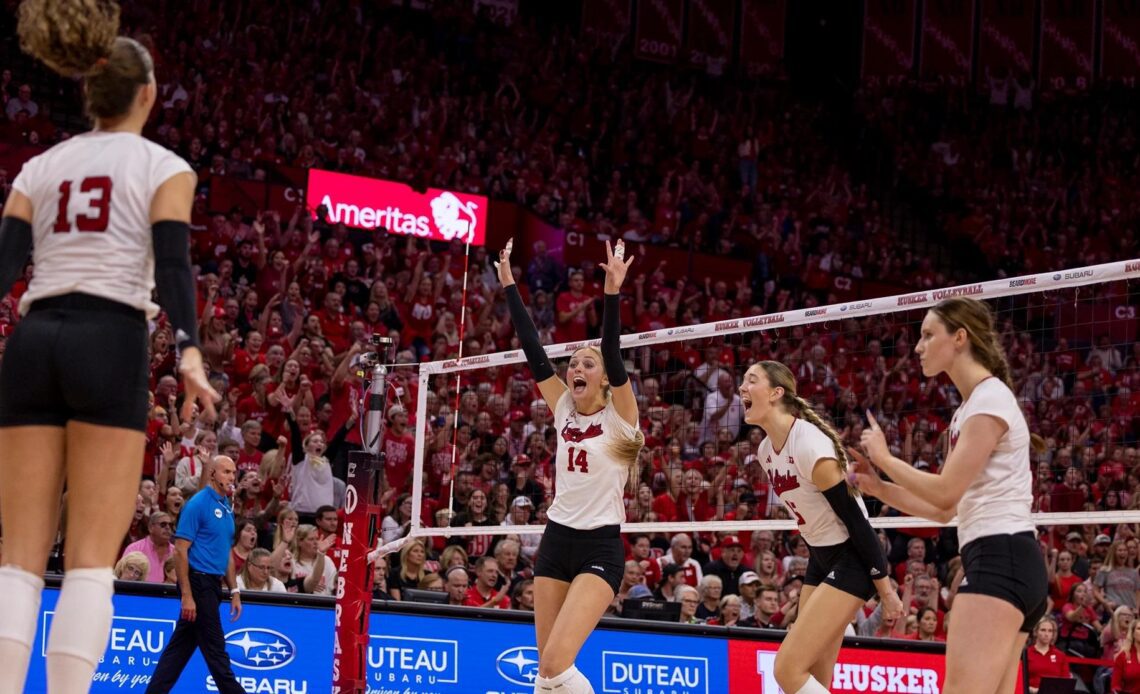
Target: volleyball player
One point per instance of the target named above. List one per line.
(806, 463)
(580, 561)
(987, 482)
(107, 214)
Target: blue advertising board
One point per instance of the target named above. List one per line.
(278, 649)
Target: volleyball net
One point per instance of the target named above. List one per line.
(1070, 337)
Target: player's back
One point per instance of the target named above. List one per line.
(91, 228)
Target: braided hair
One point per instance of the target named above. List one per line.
(780, 376)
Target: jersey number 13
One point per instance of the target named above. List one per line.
(99, 206)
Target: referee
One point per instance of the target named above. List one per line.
(202, 560)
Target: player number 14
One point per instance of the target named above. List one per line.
(581, 461)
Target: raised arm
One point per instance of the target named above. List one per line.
(548, 382)
(616, 267)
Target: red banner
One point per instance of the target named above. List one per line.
(658, 35)
(1006, 43)
(751, 668)
(1066, 45)
(1120, 41)
(359, 528)
(888, 38)
(762, 35)
(606, 19)
(947, 40)
(372, 203)
(712, 26)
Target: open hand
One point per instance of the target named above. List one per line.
(616, 266)
(503, 265)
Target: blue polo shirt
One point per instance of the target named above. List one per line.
(207, 521)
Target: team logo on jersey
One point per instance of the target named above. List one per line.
(575, 435)
(784, 482)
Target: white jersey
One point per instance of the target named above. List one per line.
(789, 471)
(91, 197)
(589, 484)
(998, 501)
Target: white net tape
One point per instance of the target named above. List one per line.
(1038, 283)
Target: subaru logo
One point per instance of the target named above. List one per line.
(1056, 277)
(259, 649)
(843, 307)
(518, 665)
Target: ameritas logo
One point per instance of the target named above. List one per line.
(372, 203)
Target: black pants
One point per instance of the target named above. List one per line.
(205, 633)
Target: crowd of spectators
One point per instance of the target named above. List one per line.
(599, 144)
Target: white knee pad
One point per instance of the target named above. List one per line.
(20, 593)
(82, 619)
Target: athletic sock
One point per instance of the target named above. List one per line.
(20, 593)
(812, 686)
(79, 629)
(569, 681)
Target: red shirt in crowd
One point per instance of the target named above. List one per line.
(476, 599)
(399, 452)
(1051, 663)
(1126, 672)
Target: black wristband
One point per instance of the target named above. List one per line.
(611, 341)
(174, 281)
(15, 245)
(536, 358)
(863, 537)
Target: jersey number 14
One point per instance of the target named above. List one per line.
(99, 206)
(581, 461)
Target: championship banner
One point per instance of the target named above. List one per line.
(1006, 42)
(888, 38)
(712, 27)
(359, 529)
(502, 12)
(1120, 41)
(658, 34)
(947, 46)
(1068, 30)
(762, 35)
(607, 19)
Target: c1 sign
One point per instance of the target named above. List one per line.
(368, 203)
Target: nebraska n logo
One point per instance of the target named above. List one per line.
(575, 435)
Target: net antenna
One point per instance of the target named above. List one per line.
(455, 408)
(1055, 290)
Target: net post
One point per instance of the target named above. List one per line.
(418, 459)
(358, 534)
(359, 531)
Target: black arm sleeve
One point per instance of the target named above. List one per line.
(174, 281)
(863, 536)
(528, 336)
(15, 245)
(333, 447)
(611, 341)
(296, 442)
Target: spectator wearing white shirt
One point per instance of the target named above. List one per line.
(723, 409)
(681, 553)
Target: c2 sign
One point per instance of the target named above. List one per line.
(369, 203)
